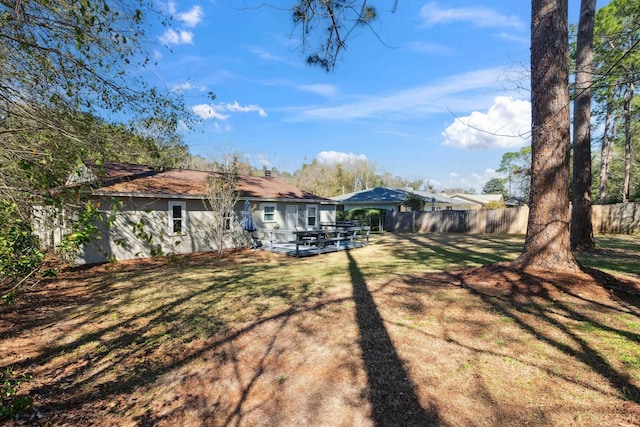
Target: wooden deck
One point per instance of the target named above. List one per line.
(328, 238)
(302, 251)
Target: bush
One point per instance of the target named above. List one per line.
(495, 204)
(20, 255)
(367, 216)
(12, 404)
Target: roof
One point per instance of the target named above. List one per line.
(439, 198)
(481, 199)
(377, 194)
(391, 195)
(121, 179)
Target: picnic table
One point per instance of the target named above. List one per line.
(326, 238)
(330, 235)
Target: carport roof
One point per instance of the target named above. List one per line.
(391, 195)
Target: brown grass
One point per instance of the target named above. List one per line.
(391, 334)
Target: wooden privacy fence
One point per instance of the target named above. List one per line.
(623, 218)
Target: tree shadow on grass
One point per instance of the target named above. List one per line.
(117, 357)
(543, 306)
(391, 392)
(625, 292)
(457, 250)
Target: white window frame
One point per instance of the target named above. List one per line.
(183, 218)
(317, 214)
(264, 211)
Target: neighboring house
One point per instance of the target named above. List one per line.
(477, 201)
(392, 199)
(514, 202)
(167, 210)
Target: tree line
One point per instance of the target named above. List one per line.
(325, 179)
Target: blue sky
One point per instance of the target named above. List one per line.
(438, 91)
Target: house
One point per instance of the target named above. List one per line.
(478, 201)
(166, 211)
(392, 199)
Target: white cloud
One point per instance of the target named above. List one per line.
(171, 7)
(469, 181)
(263, 160)
(236, 107)
(430, 182)
(172, 36)
(320, 89)
(336, 157)
(506, 124)
(271, 57)
(219, 128)
(457, 93)
(207, 111)
(433, 14)
(479, 180)
(191, 18)
(429, 48)
(216, 111)
(522, 39)
(187, 86)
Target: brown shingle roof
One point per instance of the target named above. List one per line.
(144, 181)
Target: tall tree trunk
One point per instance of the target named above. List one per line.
(627, 142)
(581, 226)
(547, 244)
(605, 152)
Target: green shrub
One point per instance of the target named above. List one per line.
(12, 404)
(414, 202)
(495, 204)
(367, 216)
(19, 251)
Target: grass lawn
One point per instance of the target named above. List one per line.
(410, 330)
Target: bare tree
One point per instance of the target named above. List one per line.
(222, 196)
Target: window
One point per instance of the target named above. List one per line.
(268, 212)
(312, 216)
(177, 217)
(229, 216)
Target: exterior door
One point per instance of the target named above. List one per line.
(291, 220)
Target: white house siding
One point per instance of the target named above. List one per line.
(48, 225)
(122, 241)
(326, 213)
